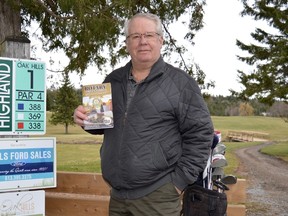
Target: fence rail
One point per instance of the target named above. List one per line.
(246, 136)
(88, 194)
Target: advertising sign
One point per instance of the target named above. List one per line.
(27, 163)
(22, 97)
(31, 203)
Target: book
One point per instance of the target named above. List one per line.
(97, 99)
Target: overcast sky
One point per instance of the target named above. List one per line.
(215, 47)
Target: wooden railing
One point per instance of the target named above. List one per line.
(246, 136)
(87, 194)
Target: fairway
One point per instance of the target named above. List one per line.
(79, 151)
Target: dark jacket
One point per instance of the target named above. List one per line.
(164, 136)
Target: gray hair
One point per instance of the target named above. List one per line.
(149, 16)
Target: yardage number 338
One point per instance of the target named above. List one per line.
(34, 125)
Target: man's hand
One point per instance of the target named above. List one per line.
(178, 191)
(80, 115)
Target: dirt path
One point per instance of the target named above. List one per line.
(267, 192)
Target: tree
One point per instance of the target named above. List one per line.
(51, 94)
(85, 29)
(10, 21)
(50, 98)
(279, 109)
(219, 105)
(65, 102)
(269, 54)
(245, 109)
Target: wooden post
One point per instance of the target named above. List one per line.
(15, 47)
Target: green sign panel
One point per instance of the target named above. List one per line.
(27, 97)
(6, 86)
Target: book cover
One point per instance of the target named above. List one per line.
(97, 99)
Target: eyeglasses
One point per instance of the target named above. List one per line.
(149, 36)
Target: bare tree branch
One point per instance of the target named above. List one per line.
(51, 13)
(172, 42)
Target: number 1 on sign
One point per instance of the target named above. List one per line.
(31, 78)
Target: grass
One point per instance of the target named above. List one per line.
(79, 151)
(275, 127)
(76, 134)
(78, 158)
(279, 150)
(233, 161)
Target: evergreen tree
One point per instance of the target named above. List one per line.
(50, 98)
(84, 29)
(269, 54)
(65, 102)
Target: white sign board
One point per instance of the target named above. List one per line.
(27, 163)
(29, 203)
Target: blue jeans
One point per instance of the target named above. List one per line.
(165, 201)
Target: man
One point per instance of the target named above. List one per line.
(162, 128)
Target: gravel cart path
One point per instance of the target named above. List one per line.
(267, 191)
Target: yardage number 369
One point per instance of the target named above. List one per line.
(35, 116)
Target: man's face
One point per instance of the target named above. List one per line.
(143, 42)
